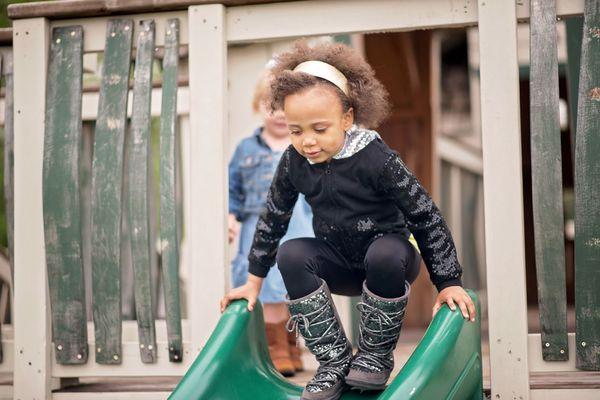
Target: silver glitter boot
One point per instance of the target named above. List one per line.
(380, 324)
(314, 316)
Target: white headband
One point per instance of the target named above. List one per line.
(325, 71)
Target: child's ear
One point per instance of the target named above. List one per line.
(348, 119)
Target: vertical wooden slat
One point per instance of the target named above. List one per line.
(62, 220)
(31, 317)
(503, 199)
(546, 171)
(587, 195)
(169, 231)
(107, 176)
(208, 152)
(139, 173)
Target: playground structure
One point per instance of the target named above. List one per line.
(48, 37)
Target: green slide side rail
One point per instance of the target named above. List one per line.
(235, 364)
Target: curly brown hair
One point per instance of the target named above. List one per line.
(367, 96)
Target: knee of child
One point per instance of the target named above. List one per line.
(383, 255)
(290, 256)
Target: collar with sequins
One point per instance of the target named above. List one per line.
(356, 139)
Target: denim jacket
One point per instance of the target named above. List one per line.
(250, 174)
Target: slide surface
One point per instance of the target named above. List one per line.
(235, 363)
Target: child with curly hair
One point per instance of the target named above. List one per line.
(365, 204)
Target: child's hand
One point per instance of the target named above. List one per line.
(452, 295)
(248, 290)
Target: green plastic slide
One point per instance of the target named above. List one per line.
(235, 363)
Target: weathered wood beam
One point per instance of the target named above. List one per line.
(86, 8)
(62, 217)
(546, 171)
(107, 184)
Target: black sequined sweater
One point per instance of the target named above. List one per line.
(354, 201)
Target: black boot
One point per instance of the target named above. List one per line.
(380, 324)
(317, 320)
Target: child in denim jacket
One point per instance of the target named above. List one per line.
(251, 171)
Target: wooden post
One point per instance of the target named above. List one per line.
(208, 167)
(31, 319)
(503, 197)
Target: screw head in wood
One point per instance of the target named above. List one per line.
(547, 344)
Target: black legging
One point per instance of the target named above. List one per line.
(390, 260)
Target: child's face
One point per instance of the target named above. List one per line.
(317, 123)
(273, 121)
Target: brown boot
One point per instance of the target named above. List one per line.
(279, 348)
(295, 352)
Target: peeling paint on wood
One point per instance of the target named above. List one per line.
(139, 197)
(107, 187)
(546, 171)
(61, 186)
(587, 196)
(168, 207)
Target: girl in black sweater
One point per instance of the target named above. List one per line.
(366, 204)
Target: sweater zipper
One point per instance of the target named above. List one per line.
(331, 195)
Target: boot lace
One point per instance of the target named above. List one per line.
(328, 347)
(382, 329)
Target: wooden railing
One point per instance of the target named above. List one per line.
(548, 194)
